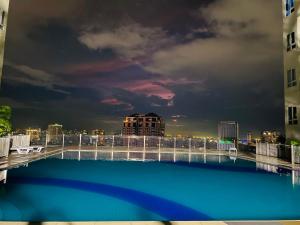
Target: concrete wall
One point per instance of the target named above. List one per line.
(291, 23)
(4, 4)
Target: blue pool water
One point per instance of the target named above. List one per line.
(70, 190)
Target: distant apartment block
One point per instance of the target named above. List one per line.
(35, 133)
(3, 27)
(270, 136)
(54, 132)
(97, 132)
(143, 125)
(291, 54)
(228, 131)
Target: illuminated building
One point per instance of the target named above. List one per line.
(291, 55)
(54, 131)
(249, 137)
(35, 134)
(270, 136)
(228, 131)
(3, 27)
(143, 125)
(98, 132)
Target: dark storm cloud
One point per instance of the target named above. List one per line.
(87, 63)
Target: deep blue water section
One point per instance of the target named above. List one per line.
(71, 190)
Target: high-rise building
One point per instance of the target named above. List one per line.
(143, 125)
(291, 55)
(54, 132)
(228, 131)
(35, 133)
(3, 27)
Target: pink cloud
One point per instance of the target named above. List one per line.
(116, 102)
(101, 66)
(104, 66)
(148, 88)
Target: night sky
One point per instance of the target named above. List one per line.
(87, 63)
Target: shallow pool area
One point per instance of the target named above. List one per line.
(71, 190)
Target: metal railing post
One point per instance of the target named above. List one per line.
(268, 149)
(174, 151)
(204, 144)
(144, 151)
(293, 155)
(256, 146)
(112, 147)
(159, 140)
(128, 147)
(80, 135)
(97, 138)
(63, 140)
(190, 149)
(46, 144)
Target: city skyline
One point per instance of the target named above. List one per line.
(86, 64)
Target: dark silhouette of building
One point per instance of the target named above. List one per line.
(143, 125)
(228, 131)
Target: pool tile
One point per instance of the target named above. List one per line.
(290, 222)
(254, 223)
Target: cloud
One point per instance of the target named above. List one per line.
(130, 40)
(36, 77)
(244, 43)
(116, 102)
(99, 66)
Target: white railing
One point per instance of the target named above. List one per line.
(148, 142)
(115, 147)
(4, 146)
(295, 154)
(20, 140)
(267, 149)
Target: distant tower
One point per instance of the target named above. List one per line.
(3, 27)
(54, 132)
(228, 131)
(291, 56)
(249, 137)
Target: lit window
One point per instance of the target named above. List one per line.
(291, 41)
(291, 78)
(292, 115)
(289, 7)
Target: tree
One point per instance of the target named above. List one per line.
(5, 125)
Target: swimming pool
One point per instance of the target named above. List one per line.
(70, 190)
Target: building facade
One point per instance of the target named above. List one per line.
(4, 4)
(143, 125)
(270, 136)
(35, 133)
(291, 54)
(54, 132)
(98, 132)
(228, 131)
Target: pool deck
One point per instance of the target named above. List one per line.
(159, 223)
(17, 160)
